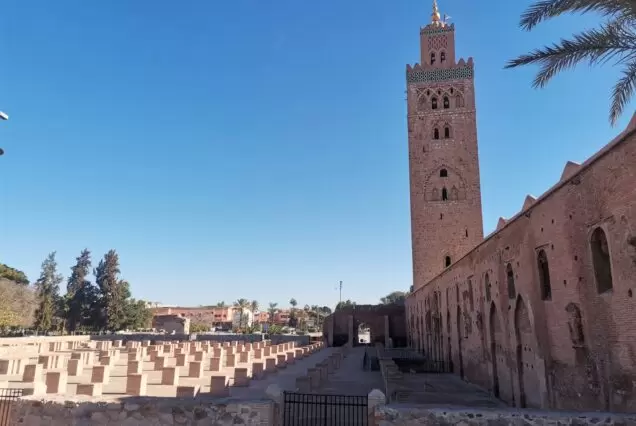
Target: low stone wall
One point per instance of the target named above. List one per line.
(402, 415)
(144, 411)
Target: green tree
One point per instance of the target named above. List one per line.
(254, 306)
(394, 297)
(346, 304)
(293, 318)
(614, 40)
(80, 294)
(242, 305)
(221, 304)
(137, 314)
(112, 294)
(14, 275)
(48, 294)
(272, 312)
(198, 328)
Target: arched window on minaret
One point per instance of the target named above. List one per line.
(432, 58)
(446, 102)
(434, 103)
(443, 173)
(447, 261)
(442, 57)
(444, 194)
(436, 133)
(447, 132)
(459, 101)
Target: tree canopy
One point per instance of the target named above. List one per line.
(613, 40)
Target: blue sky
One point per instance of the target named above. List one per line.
(258, 149)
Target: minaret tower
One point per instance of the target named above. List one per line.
(446, 219)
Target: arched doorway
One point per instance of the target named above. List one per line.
(459, 342)
(494, 330)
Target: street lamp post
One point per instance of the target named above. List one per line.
(5, 117)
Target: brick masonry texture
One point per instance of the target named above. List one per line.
(143, 411)
(408, 416)
(541, 312)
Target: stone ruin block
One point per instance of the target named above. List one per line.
(219, 386)
(281, 360)
(56, 382)
(32, 373)
(215, 364)
(258, 370)
(195, 369)
(134, 367)
(75, 367)
(137, 384)
(170, 376)
(181, 360)
(90, 389)
(100, 374)
(270, 365)
(188, 391)
(241, 377)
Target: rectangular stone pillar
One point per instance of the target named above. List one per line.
(244, 357)
(281, 360)
(188, 391)
(241, 377)
(134, 367)
(170, 376)
(32, 372)
(314, 378)
(270, 365)
(219, 386)
(56, 382)
(100, 374)
(160, 363)
(75, 367)
(136, 384)
(257, 370)
(303, 384)
(182, 360)
(91, 389)
(195, 369)
(215, 364)
(290, 357)
(230, 360)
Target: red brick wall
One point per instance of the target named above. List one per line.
(540, 356)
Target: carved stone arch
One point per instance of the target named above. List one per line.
(422, 101)
(454, 193)
(450, 170)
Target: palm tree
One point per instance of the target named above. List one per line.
(614, 40)
(254, 306)
(272, 312)
(220, 304)
(241, 304)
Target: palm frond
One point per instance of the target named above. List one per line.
(546, 9)
(623, 91)
(612, 40)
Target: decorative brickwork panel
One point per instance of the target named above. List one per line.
(439, 74)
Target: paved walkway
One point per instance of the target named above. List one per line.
(285, 378)
(351, 379)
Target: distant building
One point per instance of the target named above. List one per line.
(242, 319)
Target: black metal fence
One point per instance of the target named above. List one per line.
(301, 409)
(7, 398)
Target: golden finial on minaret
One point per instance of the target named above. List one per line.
(435, 16)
